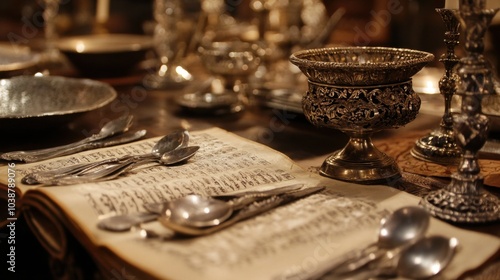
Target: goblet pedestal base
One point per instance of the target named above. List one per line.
(360, 162)
(438, 147)
(463, 201)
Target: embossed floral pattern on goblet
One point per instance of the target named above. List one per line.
(360, 90)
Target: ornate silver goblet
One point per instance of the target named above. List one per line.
(360, 90)
(229, 63)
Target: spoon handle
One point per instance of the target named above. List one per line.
(67, 150)
(358, 259)
(37, 177)
(109, 172)
(42, 154)
(157, 207)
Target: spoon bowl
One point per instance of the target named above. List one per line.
(198, 211)
(401, 227)
(170, 142)
(113, 127)
(178, 155)
(426, 257)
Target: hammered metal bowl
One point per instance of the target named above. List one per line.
(37, 103)
(105, 55)
(360, 66)
(359, 91)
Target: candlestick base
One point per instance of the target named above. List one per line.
(439, 146)
(463, 201)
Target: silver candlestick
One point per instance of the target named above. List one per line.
(464, 200)
(440, 146)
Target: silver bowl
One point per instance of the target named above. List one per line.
(105, 55)
(360, 90)
(32, 103)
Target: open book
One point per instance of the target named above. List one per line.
(294, 241)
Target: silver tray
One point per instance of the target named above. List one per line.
(35, 103)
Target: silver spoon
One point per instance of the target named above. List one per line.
(157, 207)
(421, 260)
(403, 226)
(113, 171)
(125, 222)
(427, 257)
(200, 211)
(111, 128)
(171, 141)
(213, 216)
(30, 179)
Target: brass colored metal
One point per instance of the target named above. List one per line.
(360, 90)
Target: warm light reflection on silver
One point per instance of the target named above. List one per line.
(436, 267)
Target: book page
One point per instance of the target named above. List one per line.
(294, 241)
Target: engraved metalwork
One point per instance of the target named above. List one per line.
(360, 90)
(360, 66)
(464, 200)
(439, 145)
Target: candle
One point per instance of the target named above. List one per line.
(451, 4)
(102, 12)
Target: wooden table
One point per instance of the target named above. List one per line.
(156, 111)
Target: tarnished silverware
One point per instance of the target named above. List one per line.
(125, 222)
(114, 170)
(172, 141)
(255, 208)
(111, 128)
(423, 259)
(398, 230)
(157, 207)
(30, 179)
